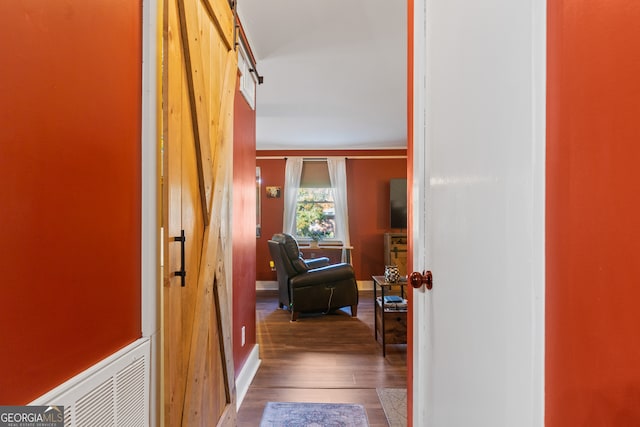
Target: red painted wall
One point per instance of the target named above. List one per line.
(70, 85)
(593, 226)
(368, 189)
(244, 230)
(410, 158)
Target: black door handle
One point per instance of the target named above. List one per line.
(182, 272)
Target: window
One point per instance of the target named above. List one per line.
(315, 205)
(315, 213)
(325, 185)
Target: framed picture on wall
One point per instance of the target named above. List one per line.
(274, 192)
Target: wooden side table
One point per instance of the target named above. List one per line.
(392, 323)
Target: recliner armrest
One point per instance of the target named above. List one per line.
(317, 262)
(323, 275)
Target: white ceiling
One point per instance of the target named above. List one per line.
(334, 72)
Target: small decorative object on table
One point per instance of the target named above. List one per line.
(317, 232)
(391, 273)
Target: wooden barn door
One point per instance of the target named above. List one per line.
(199, 78)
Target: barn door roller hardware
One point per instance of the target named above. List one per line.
(238, 33)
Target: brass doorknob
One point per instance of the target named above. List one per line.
(418, 279)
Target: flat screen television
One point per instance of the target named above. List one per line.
(398, 202)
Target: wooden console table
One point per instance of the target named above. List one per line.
(334, 253)
(391, 322)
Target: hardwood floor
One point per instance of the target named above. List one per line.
(321, 358)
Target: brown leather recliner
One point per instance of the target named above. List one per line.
(313, 285)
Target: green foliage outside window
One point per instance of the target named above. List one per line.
(315, 213)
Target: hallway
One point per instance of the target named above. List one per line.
(321, 358)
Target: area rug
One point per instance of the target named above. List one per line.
(394, 403)
(291, 414)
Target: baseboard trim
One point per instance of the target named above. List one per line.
(266, 285)
(365, 285)
(246, 375)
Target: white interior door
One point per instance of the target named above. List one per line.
(478, 213)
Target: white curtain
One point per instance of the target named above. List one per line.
(292, 173)
(338, 175)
